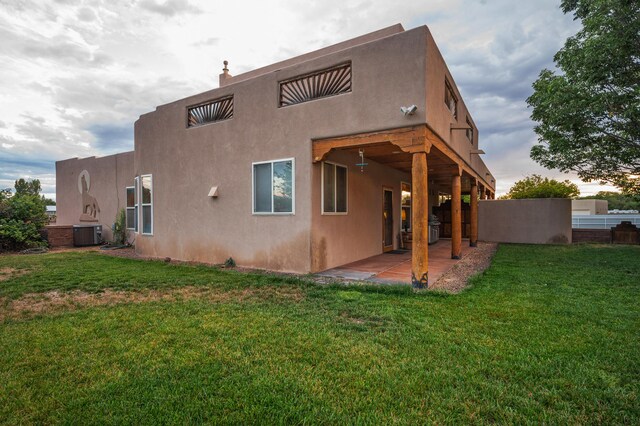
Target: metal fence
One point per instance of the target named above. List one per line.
(604, 221)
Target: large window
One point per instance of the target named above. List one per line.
(273, 187)
(146, 183)
(334, 188)
(132, 217)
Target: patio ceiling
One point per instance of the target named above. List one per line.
(440, 167)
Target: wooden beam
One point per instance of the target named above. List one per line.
(420, 223)
(456, 218)
(419, 138)
(407, 139)
(473, 201)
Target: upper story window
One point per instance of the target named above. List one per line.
(273, 187)
(216, 110)
(334, 188)
(319, 84)
(469, 130)
(450, 99)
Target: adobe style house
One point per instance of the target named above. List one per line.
(301, 166)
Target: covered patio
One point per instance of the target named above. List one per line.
(431, 162)
(395, 267)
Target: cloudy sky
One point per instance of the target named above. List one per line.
(76, 74)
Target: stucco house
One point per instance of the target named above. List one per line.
(300, 166)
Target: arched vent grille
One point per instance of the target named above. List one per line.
(320, 84)
(220, 109)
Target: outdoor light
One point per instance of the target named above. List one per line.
(410, 110)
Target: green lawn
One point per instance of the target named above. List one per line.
(548, 334)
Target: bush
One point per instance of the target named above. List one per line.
(22, 216)
(120, 228)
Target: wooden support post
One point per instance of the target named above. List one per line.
(483, 193)
(473, 195)
(456, 218)
(420, 224)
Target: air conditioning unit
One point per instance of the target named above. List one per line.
(87, 235)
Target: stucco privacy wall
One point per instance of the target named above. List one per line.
(109, 176)
(532, 221)
(187, 162)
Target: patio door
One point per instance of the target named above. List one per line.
(387, 219)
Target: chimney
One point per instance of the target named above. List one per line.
(225, 76)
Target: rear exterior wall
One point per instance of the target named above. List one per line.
(187, 162)
(440, 118)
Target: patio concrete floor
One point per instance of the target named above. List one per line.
(395, 268)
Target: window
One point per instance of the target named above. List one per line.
(334, 188)
(450, 100)
(406, 206)
(132, 209)
(146, 183)
(470, 131)
(319, 84)
(273, 187)
(216, 110)
(136, 203)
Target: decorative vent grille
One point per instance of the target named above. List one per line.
(220, 109)
(320, 84)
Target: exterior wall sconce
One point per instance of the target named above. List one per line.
(213, 192)
(410, 110)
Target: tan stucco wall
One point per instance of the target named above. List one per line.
(532, 221)
(109, 177)
(186, 162)
(337, 238)
(440, 119)
(388, 71)
(589, 207)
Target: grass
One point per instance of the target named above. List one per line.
(548, 334)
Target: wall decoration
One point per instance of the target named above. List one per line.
(90, 207)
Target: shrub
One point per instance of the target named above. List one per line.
(120, 228)
(22, 216)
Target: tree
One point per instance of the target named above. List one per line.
(27, 187)
(589, 115)
(22, 216)
(535, 186)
